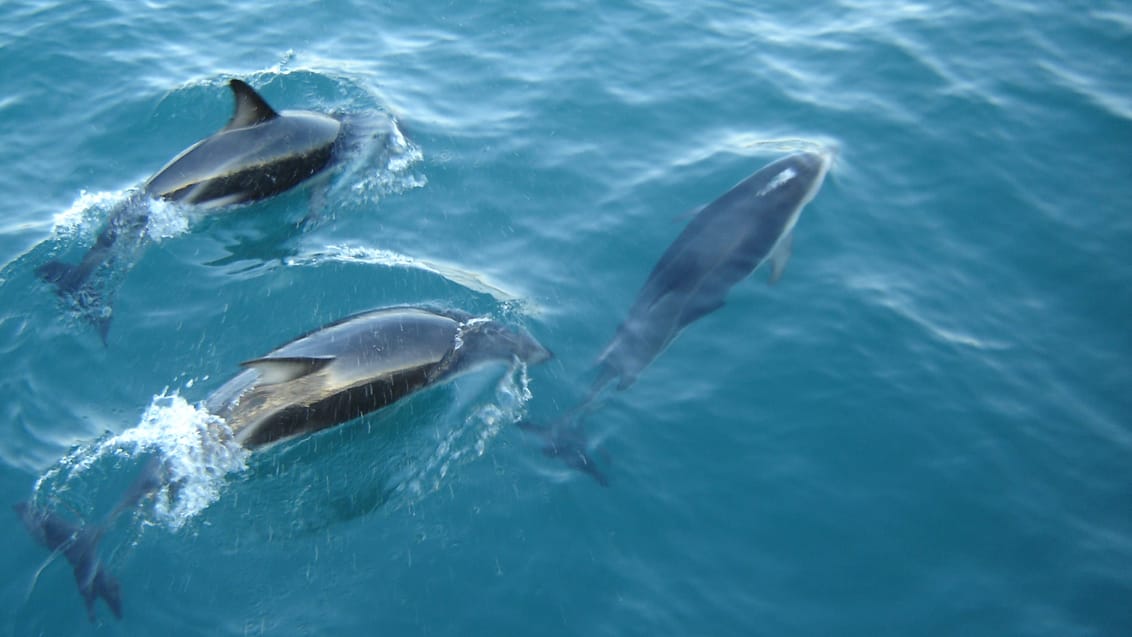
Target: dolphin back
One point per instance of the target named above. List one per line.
(352, 367)
(248, 164)
(258, 154)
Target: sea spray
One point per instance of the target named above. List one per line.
(196, 450)
(506, 405)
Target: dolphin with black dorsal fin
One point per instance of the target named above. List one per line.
(258, 154)
(330, 376)
(748, 226)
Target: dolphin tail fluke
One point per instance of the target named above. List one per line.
(566, 440)
(105, 586)
(79, 544)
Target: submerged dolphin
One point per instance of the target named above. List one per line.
(330, 376)
(749, 225)
(258, 154)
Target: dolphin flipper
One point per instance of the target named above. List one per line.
(780, 256)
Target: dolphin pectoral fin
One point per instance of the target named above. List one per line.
(285, 369)
(251, 109)
(780, 256)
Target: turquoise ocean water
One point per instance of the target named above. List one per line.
(925, 428)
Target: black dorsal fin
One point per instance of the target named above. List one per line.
(251, 109)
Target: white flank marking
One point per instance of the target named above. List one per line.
(778, 180)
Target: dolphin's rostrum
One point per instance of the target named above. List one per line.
(327, 377)
(749, 225)
(260, 153)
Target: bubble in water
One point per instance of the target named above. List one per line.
(88, 210)
(166, 220)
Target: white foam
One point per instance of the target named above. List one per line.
(166, 219)
(88, 208)
(196, 448)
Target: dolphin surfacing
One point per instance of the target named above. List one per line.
(748, 226)
(258, 154)
(328, 377)
(358, 365)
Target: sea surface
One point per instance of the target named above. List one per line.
(924, 428)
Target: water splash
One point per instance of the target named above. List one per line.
(381, 163)
(166, 220)
(196, 449)
(88, 211)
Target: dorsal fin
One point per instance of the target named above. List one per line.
(274, 370)
(251, 109)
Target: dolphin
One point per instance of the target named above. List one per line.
(748, 226)
(358, 365)
(751, 224)
(330, 376)
(258, 154)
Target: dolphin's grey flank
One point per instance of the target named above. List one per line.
(749, 225)
(358, 365)
(260, 153)
(327, 377)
